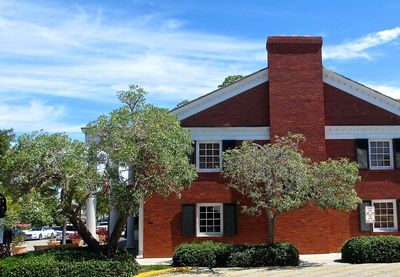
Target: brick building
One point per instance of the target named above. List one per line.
(339, 118)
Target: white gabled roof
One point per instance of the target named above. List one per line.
(222, 94)
(329, 77)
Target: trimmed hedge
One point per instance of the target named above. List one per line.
(69, 262)
(372, 249)
(214, 254)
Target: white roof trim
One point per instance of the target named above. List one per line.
(229, 133)
(362, 92)
(221, 95)
(360, 132)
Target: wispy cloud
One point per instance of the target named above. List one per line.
(34, 116)
(389, 90)
(359, 48)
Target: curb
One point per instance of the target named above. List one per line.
(163, 271)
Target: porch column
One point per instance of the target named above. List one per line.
(130, 232)
(141, 221)
(91, 215)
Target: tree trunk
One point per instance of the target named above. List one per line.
(64, 232)
(116, 233)
(271, 227)
(87, 237)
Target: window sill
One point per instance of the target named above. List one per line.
(209, 236)
(385, 231)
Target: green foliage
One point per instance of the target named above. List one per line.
(145, 268)
(149, 143)
(213, 254)
(18, 240)
(68, 262)
(183, 102)
(372, 249)
(48, 175)
(230, 79)
(278, 178)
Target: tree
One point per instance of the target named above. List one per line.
(278, 178)
(50, 172)
(148, 146)
(229, 80)
(183, 102)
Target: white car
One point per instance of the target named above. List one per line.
(70, 231)
(40, 233)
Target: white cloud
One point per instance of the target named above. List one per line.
(358, 48)
(389, 90)
(34, 116)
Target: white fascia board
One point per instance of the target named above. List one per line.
(365, 93)
(229, 133)
(362, 132)
(221, 95)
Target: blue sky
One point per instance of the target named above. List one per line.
(61, 62)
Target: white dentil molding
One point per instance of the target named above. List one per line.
(229, 133)
(362, 132)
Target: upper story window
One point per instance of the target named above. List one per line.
(208, 156)
(380, 154)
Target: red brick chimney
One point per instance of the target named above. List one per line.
(296, 99)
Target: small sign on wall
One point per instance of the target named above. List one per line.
(369, 214)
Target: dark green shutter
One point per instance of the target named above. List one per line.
(364, 227)
(188, 220)
(230, 219)
(228, 144)
(192, 158)
(398, 214)
(362, 153)
(396, 152)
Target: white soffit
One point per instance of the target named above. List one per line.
(221, 95)
(229, 133)
(365, 93)
(362, 132)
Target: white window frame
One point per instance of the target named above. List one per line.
(198, 157)
(391, 229)
(209, 234)
(391, 155)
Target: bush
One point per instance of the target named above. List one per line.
(68, 262)
(211, 254)
(372, 249)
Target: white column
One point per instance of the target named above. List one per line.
(130, 232)
(112, 220)
(141, 221)
(91, 215)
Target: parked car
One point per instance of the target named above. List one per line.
(102, 225)
(40, 233)
(70, 230)
(16, 232)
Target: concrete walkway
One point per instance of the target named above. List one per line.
(326, 265)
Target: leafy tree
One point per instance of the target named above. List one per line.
(50, 173)
(229, 80)
(6, 137)
(149, 146)
(183, 102)
(278, 178)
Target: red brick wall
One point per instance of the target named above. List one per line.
(247, 109)
(296, 91)
(374, 184)
(342, 108)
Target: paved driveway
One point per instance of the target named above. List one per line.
(346, 270)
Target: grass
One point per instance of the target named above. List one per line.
(145, 268)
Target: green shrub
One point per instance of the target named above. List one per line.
(59, 262)
(372, 249)
(195, 254)
(211, 254)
